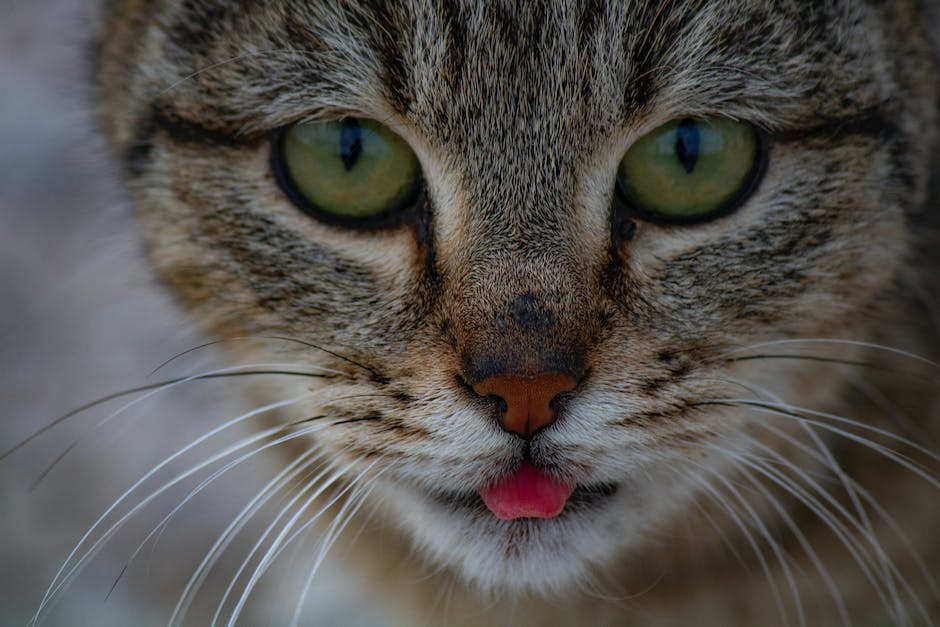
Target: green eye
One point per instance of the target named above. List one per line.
(690, 170)
(351, 171)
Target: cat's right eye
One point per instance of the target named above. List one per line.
(690, 170)
(353, 172)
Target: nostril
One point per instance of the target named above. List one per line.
(500, 403)
(559, 401)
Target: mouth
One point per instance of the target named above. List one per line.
(528, 493)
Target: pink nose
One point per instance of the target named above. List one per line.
(528, 400)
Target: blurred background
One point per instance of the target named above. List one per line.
(81, 316)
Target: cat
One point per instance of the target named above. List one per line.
(612, 313)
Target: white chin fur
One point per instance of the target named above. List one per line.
(524, 556)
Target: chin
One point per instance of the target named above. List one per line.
(544, 557)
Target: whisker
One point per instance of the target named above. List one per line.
(779, 553)
(801, 539)
(106, 420)
(845, 535)
(832, 360)
(720, 499)
(53, 588)
(834, 341)
(287, 475)
(356, 489)
(825, 515)
(825, 455)
(291, 435)
(346, 514)
(242, 338)
(283, 512)
(852, 489)
(791, 411)
(871, 501)
(847, 483)
(157, 529)
(107, 534)
(266, 560)
(310, 483)
(376, 375)
(224, 373)
(897, 458)
(721, 532)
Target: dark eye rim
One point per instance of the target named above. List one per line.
(407, 212)
(754, 179)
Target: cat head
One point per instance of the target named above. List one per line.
(526, 296)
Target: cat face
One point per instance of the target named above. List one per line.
(518, 256)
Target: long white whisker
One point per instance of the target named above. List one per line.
(863, 517)
(346, 514)
(825, 456)
(160, 526)
(108, 533)
(774, 545)
(352, 490)
(869, 500)
(842, 532)
(288, 474)
(328, 469)
(288, 526)
(791, 411)
(803, 541)
(252, 338)
(836, 341)
(721, 533)
(723, 502)
(851, 486)
(54, 588)
(227, 467)
(159, 390)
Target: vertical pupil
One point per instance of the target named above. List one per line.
(688, 140)
(350, 143)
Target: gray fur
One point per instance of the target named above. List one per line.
(520, 112)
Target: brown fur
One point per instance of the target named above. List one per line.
(520, 113)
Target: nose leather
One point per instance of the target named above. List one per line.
(528, 399)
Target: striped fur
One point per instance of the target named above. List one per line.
(519, 113)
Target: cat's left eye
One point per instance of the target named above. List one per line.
(353, 172)
(691, 170)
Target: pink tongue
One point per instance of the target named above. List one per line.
(527, 493)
